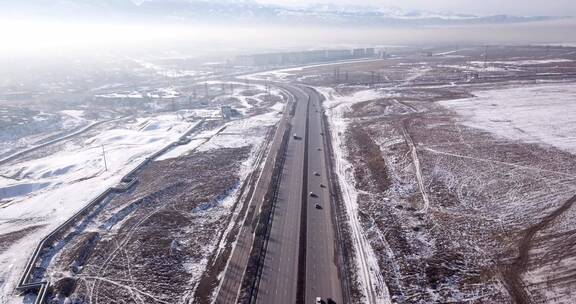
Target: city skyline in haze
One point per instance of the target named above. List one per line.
(487, 7)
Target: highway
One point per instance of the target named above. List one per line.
(322, 276)
(286, 262)
(300, 258)
(279, 279)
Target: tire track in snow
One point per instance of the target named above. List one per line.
(512, 274)
(417, 167)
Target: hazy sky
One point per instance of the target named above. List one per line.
(516, 7)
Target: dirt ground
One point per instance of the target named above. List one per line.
(148, 245)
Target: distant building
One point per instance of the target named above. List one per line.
(314, 56)
(245, 60)
(358, 53)
(370, 52)
(338, 54)
(226, 112)
(292, 58)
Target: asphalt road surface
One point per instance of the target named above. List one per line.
(322, 278)
(279, 279)
(278, 283)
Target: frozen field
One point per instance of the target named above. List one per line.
(544, 114)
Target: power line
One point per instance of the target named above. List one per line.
(104, 157)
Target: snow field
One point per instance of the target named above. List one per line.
(544, 114)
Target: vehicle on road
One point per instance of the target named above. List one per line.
(318, 206)
(316, 173)
(296, 136)
(318, 300)
(312, 194)
(319, 149)
(322, 186)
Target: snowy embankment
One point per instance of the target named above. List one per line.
(542, 114)
(373, 285)
(45, 192)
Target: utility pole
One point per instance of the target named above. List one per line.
(104, 157)
(206, 89)
(486, 57)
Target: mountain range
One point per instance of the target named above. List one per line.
(245, 12)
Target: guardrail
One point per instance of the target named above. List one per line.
(41, 287)
(24, 284)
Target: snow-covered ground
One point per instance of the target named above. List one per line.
(48, 190)
(374, 287)
(244, 132)
(20, 130)
(282, 74)
(502, 66)
(522, 62)
(165, 93)
(170, 72)
(544, 114)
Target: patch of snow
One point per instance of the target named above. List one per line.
(284, 73)
(202, 113)
(170, 72)
(132, 94)
(544, 114)
(77, 114)
(166, 93)
(480, 68)
(244, 132)
(523, 62)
